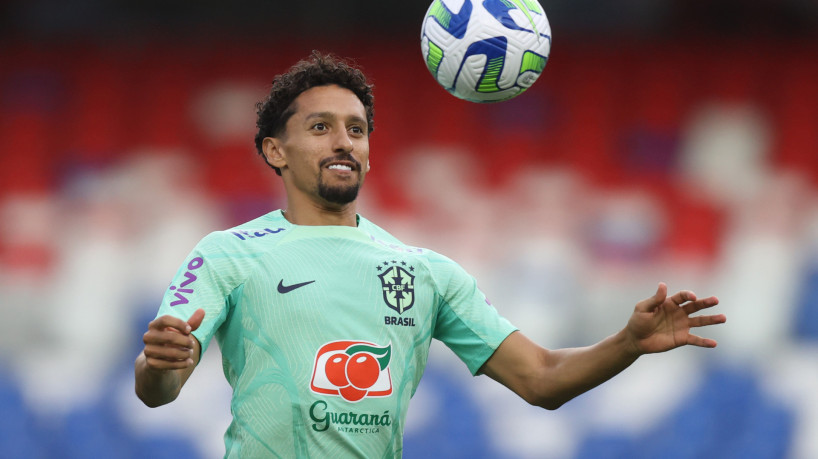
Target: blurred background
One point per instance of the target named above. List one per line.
(667, 140)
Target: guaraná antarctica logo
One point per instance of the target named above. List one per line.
(353, 370)
(398, 285)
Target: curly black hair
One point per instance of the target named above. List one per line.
(318, 70)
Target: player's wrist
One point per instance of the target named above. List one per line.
(629, 344)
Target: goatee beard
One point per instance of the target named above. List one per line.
(338, 194)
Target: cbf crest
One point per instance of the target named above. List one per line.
(398, 284)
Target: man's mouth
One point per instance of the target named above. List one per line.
(342, 164)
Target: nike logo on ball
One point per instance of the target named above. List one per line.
(289, 288)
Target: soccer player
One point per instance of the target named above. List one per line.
(324, 320)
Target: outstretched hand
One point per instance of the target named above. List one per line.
(661, 323)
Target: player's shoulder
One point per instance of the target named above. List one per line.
(385, 239)
(248, 235)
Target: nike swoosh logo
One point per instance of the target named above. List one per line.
(289, 288)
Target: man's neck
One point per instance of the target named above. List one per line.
(311, 214)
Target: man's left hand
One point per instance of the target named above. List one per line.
(662, 322)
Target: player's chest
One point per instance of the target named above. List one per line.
(392, 291)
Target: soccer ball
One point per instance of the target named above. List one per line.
(485, 51)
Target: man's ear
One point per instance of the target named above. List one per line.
(271, 146)
(367, 165)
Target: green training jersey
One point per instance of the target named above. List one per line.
(325, 331)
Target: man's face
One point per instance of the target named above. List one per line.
(324, 150)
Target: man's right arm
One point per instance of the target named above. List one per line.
(171, 353)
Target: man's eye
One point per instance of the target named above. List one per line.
(356, 129)
(319, 127)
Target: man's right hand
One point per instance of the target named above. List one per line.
(169, 344)
(170, 355)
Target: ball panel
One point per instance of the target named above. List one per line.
(533, 62)
(433, 58)
(453, 23)
(533, 7)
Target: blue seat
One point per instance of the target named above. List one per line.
(806, 315)
(20, 433)
(166, 447)
(93, 431)
(455, 430)
(729, 416)
(606, 446)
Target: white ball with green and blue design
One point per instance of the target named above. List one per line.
(485, 51)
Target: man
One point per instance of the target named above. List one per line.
(325, 320)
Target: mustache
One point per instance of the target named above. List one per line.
(341, 157)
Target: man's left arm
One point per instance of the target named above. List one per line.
(550, 378)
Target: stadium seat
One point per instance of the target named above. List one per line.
(93, 431)
(606, 445)
(20, 434)
(165, 447)
(805, 320)
(455, 429)
(728, 416)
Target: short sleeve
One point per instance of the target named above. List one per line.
(466, 322)
(206, 280)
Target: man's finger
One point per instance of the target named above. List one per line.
(694, 340)
(167, 321)
(703, 321)
(683, 296)
(653, 302)
(168, 337)
(697, 306)
(171, 354)
(159, 364)
(196, 319)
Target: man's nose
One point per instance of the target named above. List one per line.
(342, 142)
